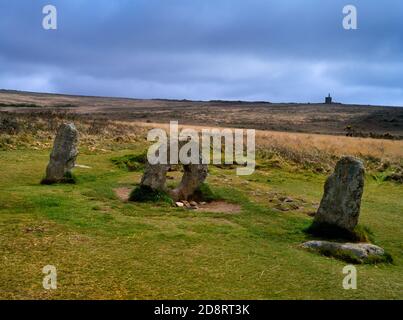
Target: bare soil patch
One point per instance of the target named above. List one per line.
(123, 193)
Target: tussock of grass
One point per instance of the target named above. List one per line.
(146, 194)
(205, 193)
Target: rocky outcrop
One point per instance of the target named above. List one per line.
(63, 156)
(341, 202)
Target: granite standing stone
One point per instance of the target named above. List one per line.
(340, 205)
(64, 154)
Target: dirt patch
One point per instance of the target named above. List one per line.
(220, 206)
(123, 193)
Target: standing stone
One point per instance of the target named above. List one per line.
(193, 177)
(154, 176)
(340, 205)
(63, 156)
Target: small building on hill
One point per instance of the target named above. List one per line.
(328, 99)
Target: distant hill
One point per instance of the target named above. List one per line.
(339, 119)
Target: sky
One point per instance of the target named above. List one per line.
(271, 50)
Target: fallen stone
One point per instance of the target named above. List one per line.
(340, 205)
(350, 252)
(179, 204)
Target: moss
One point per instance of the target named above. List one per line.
(146, 194)
(328, 231)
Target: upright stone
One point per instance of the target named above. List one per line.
(63, 156)
(341, 202)
(154, 176)
(193, 177)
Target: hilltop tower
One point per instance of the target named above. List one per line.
(328, 99)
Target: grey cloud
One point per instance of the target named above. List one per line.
(204, 49)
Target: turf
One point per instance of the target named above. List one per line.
(104, 248)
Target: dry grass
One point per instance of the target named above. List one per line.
(316, 149)
(319, 152)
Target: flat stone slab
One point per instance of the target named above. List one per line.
(351, 252)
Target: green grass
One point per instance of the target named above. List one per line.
(130, 162)
(105, 248)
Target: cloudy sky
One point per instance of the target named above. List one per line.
(274, 50)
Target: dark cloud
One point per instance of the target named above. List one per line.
(206, 49)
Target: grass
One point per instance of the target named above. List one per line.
(130, 162)
(104, 248)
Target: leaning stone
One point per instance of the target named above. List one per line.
(340, 205)
(350, 252)
(63, 156)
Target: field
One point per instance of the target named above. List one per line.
(105, 247)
